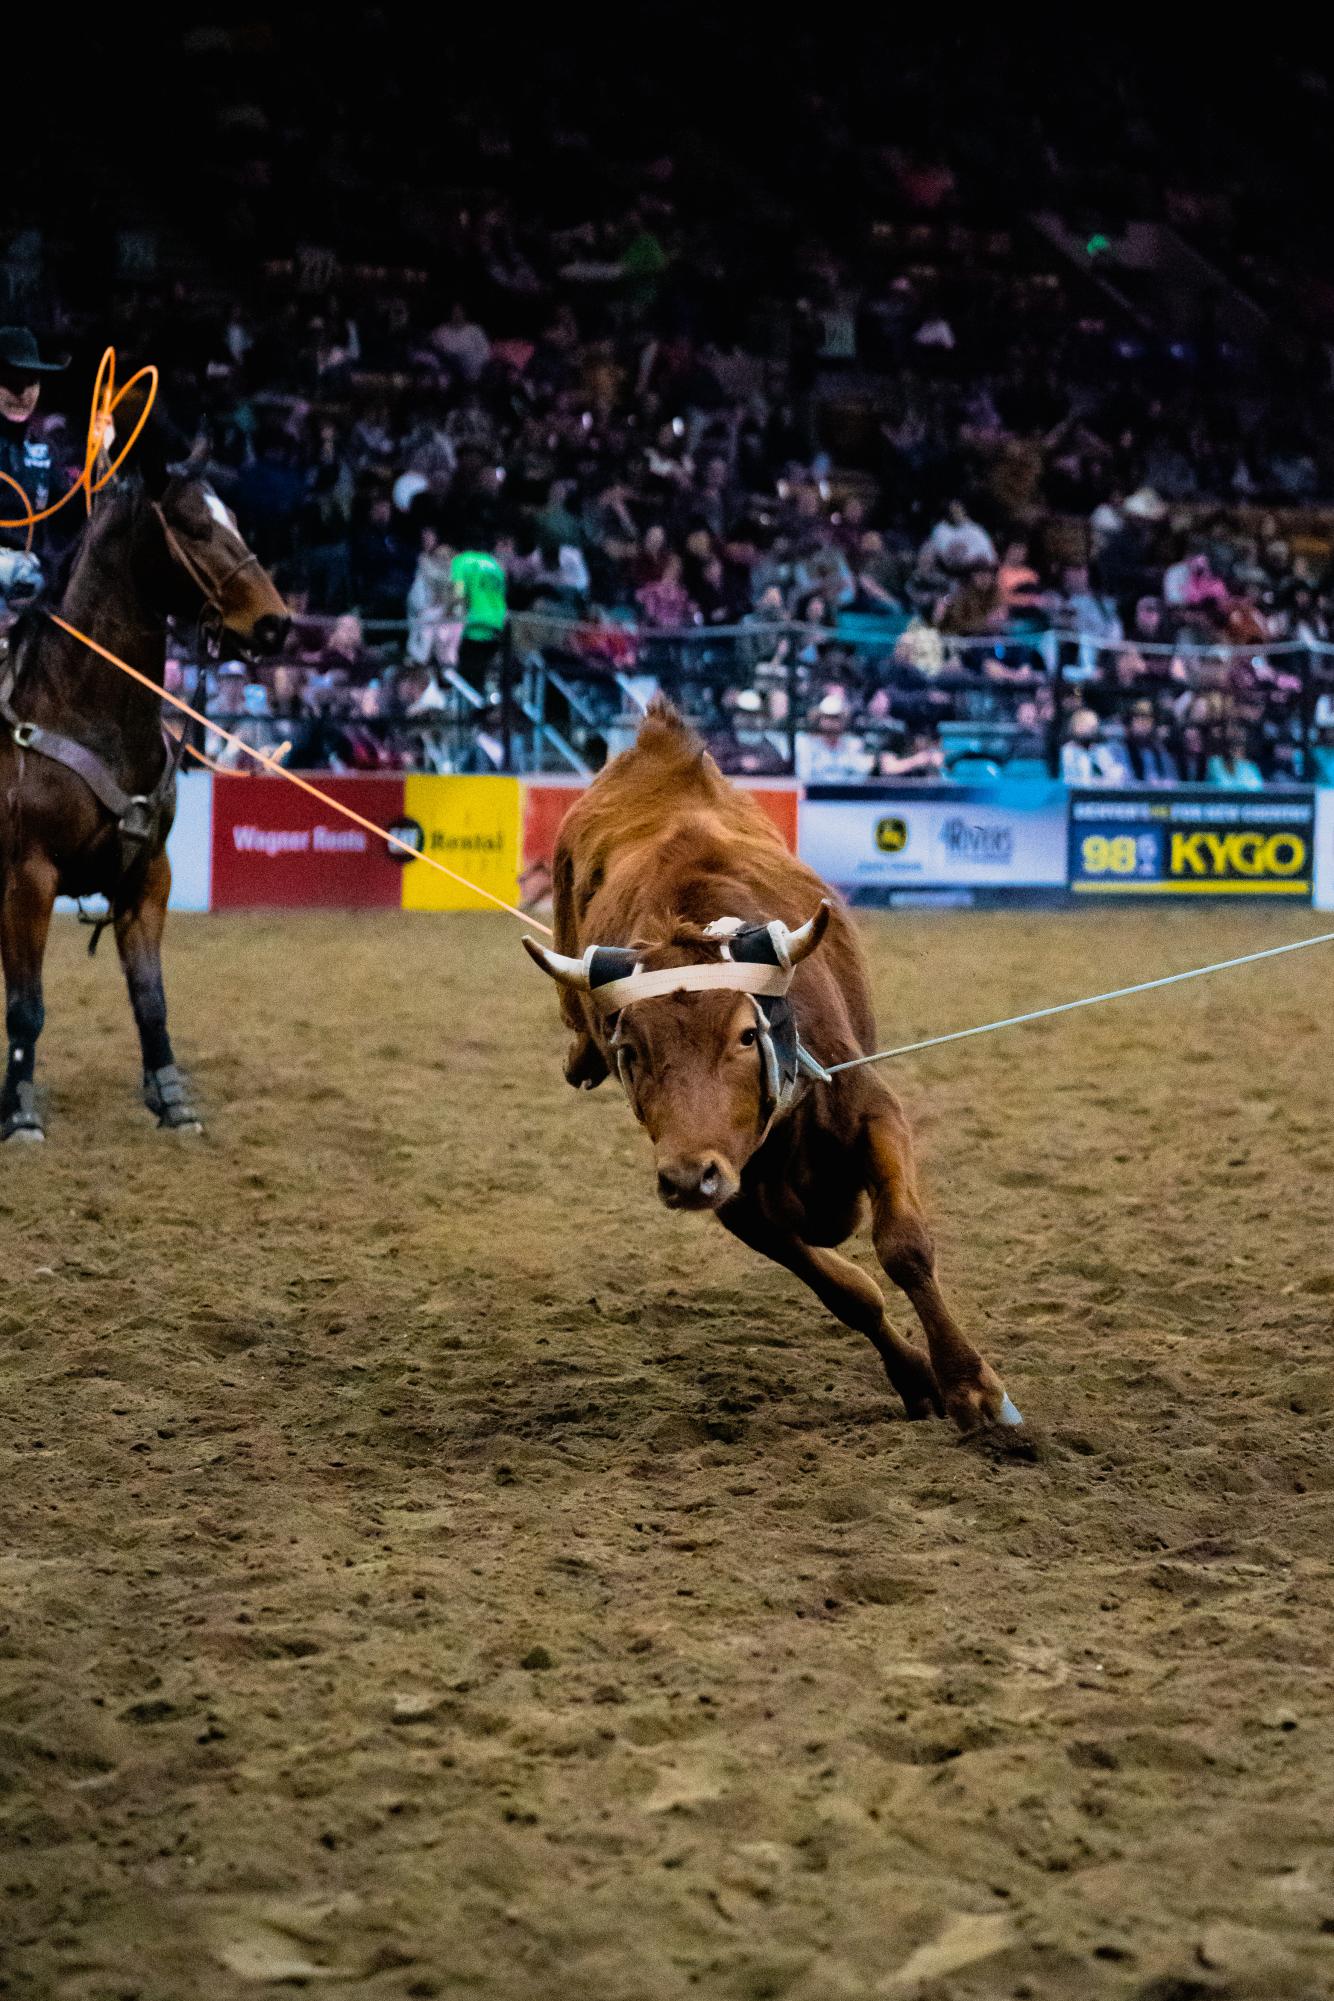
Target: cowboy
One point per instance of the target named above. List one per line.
(25, 458)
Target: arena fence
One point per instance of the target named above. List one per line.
(257, 842)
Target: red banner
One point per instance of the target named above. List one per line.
(274, 847)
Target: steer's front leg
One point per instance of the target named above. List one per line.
(973, 1393)
(847, 1291)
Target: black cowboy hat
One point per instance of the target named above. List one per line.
(20, 355)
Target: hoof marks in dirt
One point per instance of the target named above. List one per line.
(1020, 1444)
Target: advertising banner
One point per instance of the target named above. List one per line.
(1195, 841)
(1323, 893)
(190, 843)
(884, 838)
(469, 824)
(274, 847)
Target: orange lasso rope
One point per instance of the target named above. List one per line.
(107, 399)
(303, 784)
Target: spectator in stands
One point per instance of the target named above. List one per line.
(345, 654)
(1192, 755)
(1230, 766)
(666, 604)
(748, 749)
(382, 562)
(1090, 613)
(1147, 758)
(434, 606)
(878, 574)
(829, 752)
(922, 758)
(1191, 588)
(463, 344)
(482, 587)
(1020, 586)
(957, 545)
(975, 605)
(650, 562)
(823, 568)
(1087, 758)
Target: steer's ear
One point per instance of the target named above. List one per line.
(568, 972)
(802, 942)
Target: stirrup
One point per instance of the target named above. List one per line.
(167, 1096)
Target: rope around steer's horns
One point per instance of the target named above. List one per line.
(754, 959)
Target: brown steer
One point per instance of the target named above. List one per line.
(653, 856)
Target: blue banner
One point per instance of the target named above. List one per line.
(1192, 841)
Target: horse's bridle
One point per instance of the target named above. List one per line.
(211, 589)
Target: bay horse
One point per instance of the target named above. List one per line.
(87, 773)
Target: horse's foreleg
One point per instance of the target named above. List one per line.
(139, 941)
(25, 918)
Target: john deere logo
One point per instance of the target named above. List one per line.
(891, 835)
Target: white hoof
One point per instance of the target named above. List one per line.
(1008, 1413)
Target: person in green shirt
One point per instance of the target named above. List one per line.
(480, 581)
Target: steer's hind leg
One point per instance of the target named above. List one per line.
(139, 942)
(25, 918)
(973, 1393)
(848, 1293)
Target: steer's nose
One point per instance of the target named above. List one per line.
(701, 1182)
(270, 634)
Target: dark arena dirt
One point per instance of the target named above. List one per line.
(430, 1568)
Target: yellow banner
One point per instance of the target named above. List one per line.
(472, 826)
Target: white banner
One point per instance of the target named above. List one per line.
(1322, 886)
(190, 845)
(935, 837)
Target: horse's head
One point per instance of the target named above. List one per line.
(219, 576)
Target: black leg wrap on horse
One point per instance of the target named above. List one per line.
(167, 1096)
(22, 1120)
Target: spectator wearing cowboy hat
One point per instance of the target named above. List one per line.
(24, 459)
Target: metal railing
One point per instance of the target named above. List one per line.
(563, 694)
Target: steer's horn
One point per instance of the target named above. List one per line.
(569, 972)
(803, 941)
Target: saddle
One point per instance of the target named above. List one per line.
(139, 816)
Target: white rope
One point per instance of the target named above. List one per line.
(1090, 1000)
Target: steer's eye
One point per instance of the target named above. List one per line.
(749, 1037)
